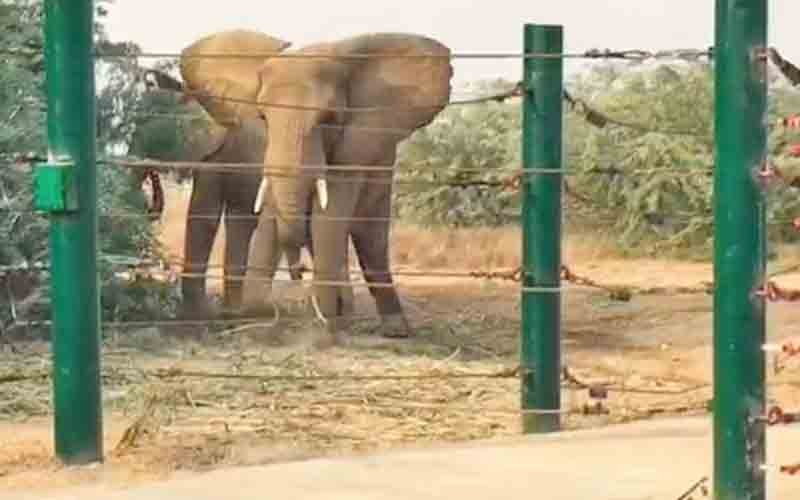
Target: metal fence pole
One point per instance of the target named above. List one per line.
(740, 250)
(541, 225)
(65, 187)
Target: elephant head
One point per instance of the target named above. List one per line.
(319, 107)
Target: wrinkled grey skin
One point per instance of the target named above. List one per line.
(314, 130)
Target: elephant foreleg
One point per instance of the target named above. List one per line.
(330, 229)
(264, 254)
(205, 208)
(346, 292)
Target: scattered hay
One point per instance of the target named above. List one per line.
(197, 406)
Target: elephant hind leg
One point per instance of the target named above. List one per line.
(371, 240)
(205, 208)
(240, 222)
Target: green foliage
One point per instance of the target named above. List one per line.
(486, 140)
(167, 129)
(22, 129)
(651, 184)
(662, 185)
(663, 193)
(463, 144)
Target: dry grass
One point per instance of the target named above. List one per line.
(412, 246)
(158, 426)
(482, 248)
(447, 248)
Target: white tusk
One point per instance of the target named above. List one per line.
(322, 192)
(262, 191)
(317, 310)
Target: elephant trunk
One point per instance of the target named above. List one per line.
(292, 197)
(290, 178)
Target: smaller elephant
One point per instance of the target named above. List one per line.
(217, 194)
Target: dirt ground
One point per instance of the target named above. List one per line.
(178, 402)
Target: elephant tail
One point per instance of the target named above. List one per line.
(157, 203)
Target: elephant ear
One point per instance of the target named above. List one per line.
(176, 130)
(419, 82)
(228, 77)
(202, 136)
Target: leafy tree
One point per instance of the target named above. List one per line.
(660, 183)
(662, 188)
(22, 132)
(463, 145)
(650, 182)
(466, 144)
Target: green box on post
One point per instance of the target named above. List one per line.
(54, 189)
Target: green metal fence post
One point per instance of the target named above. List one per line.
(541, 226)
(66, 188)
(740, 250)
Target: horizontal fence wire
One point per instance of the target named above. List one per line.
(322, 126)
(164, 267)
(499, 97)
(303, 170)
(509, 373)
(600, 119)
(511, 274)
(568, 381)
(610, 219)
(777, 222)
(617, 291)
(691, 55)
(508, 178)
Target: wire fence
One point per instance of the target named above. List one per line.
(511, 181)
(769, 174)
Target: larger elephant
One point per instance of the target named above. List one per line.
(350, 107)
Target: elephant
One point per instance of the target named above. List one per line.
(203, 138)
(215, 194)
(214, 137)
(350, 107)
